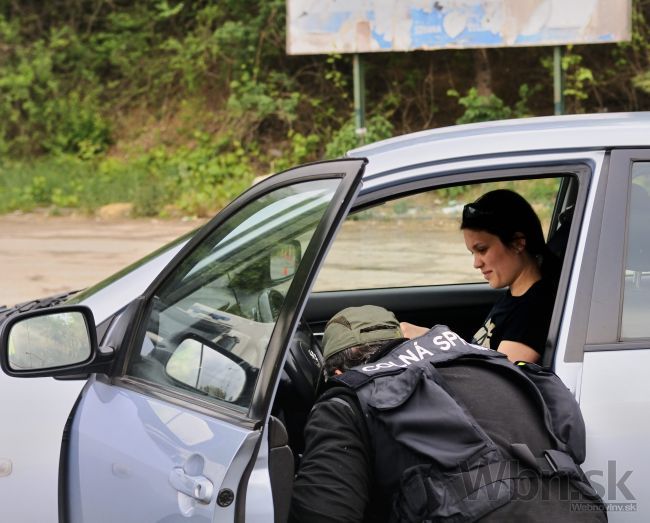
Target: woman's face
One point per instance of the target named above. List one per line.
(500, 264)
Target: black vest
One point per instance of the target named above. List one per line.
(431, 456)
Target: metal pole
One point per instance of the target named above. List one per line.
(359, 80)
(558, 80)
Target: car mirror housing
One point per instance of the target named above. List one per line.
(284, 260)
(207, 369)
(55, 342)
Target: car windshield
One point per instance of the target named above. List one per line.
(115, 292)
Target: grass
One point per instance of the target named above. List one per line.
(194, 181)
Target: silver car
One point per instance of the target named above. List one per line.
(198, 368)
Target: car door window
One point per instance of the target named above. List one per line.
(415, 240)
(210, 322)
(636, 293)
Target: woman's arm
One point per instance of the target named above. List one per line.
(411, 331)
(515, 350)
(518, 351)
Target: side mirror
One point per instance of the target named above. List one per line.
(48, 342)
(284, 260)
(202, 366)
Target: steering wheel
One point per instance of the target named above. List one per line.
(300, 379)
(305, 364)
(269, 303)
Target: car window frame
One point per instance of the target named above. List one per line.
(350, 172)
(605, 316)
(467, 179)
(581, 164)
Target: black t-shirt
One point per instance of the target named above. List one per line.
(334, 482)
(524, 319)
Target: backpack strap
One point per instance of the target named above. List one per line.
(566, 421)
(553, 463)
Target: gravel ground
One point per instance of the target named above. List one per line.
(43, 255)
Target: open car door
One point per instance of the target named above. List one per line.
(170, 425)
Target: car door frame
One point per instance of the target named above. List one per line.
(421, 178)
(603, 332)
(289, 313)
(613, 384)
(127, 332)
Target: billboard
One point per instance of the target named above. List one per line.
(366, 26)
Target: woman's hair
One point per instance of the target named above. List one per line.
(506, 214)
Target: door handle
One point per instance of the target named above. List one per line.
(197, 487)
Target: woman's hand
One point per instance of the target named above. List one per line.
(411, 331)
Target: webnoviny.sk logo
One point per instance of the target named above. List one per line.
(611, 486)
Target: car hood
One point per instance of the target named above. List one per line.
(115, 292)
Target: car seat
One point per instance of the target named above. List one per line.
(559, 239)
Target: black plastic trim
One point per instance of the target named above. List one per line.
(623, 345)
(64, 455)
(222, 412)
(452, 296)
(296, 297)
(437, 180)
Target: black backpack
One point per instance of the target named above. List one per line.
(465, 476)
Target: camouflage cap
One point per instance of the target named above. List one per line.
(359, 325)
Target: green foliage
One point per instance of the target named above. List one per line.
(450, 193)
(522, 105)
(74, 125)
(301, 149)
(634, 54)
(195, 181)
(175, 105)
(642, 81)
(577, 77)
(378, 127)
(256, 101)
(480, 108)
(38, 111)
(483, 108)
(208, 176)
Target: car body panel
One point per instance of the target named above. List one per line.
(34, 414)
(155, 438)
(45, 404)
(615, 402)
(511, 137)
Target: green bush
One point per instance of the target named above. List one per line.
(176, 105)
(378, 127)
(482, 108)
(194, 181)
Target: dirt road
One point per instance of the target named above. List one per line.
(44, 255)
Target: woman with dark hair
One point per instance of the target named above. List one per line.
(505, 236)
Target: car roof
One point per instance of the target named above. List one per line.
(542, 134)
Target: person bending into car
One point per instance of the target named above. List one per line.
(505, 236)
(436, 429)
